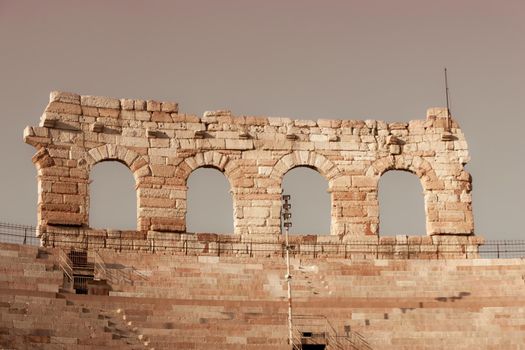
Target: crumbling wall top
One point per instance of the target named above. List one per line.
(162, 146)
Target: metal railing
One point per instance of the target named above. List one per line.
(116, 274)
(65, 265)
(230, 245)
(317, 329)
(73, 280)
(502, 249)
(19, 234)
(100, 270)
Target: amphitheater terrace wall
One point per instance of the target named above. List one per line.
(162, 146)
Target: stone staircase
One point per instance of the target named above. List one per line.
(34, 315)
(185, 324)
(372, 304)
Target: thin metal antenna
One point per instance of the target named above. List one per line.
(287, 216)
(448, 102)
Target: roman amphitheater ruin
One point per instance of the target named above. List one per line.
(161, 287)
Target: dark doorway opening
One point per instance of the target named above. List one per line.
(313, 346)
(312, 341)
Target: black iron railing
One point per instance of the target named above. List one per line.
(502, 249)
(231, 245)
(18, 234)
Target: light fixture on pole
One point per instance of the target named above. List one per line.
(287, 223)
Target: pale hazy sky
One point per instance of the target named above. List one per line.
(300, 59)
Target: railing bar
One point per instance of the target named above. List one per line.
(500, 248)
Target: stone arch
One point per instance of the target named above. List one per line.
(134, 161)
(401, 201)
(414, 164)
(311, 200)
(210, 159)
(209, 193)
(111, 181)
(138, 166)
(324, 166)
(310, 159)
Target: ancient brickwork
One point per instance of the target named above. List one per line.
(162, 146)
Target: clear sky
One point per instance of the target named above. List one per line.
(301, 59)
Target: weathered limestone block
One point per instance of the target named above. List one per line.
(42, 158)
(161, 147)
(66, 97)
(101, 102)
(171, 107)
(64, 188)
(161, 117)
(127, 104)
(63, 108)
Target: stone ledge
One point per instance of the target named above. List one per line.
(371, 247)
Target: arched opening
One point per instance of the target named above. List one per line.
(401, 204)
(310, 201)
(209, 206)
(113, 197)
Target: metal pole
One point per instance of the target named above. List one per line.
(289, 283)
(448, 103)
(287, 216)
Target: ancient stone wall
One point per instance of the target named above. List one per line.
(162, 146)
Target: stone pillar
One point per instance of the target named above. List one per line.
(62, 189)
(256, 196)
